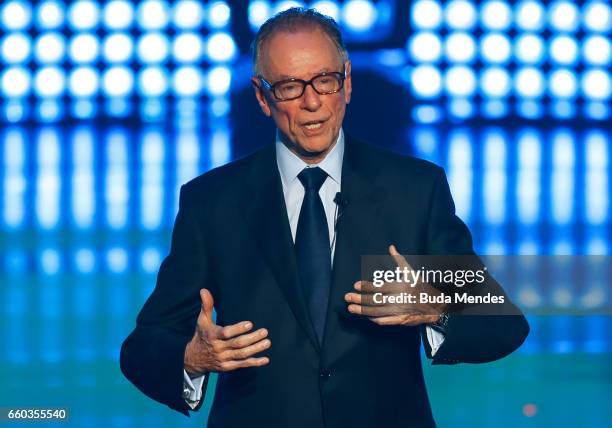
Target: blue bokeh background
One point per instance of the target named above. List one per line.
(106, 108)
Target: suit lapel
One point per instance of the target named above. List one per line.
(360, 218)
(266, 215)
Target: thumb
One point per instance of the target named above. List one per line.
(205, 317)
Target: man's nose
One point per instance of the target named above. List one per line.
(310, 99)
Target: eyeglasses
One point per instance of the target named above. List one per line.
(290, 89)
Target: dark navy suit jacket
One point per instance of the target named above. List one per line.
(232, 236)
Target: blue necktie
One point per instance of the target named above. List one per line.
(312, 249)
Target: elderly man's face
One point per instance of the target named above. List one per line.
(309, 125)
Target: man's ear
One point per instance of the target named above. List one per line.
(348, 82)
(261, 97)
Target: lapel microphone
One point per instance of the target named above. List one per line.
(341, 203)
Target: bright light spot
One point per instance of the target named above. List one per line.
(426, 14)
(16, 15)
(359, 15)
(152, 82)
(460, 81)
(461, 108)
(530, 410)
(459, 47)
(117, 259)
(594, 297)
(83, 14)
(596, 50)
(562, 297)
(49, 48)
(562, 84)
(16, 48)
(188, 14)
(117, 81)
(187, 81)
(259, 12)
(117, 47)
(563, 16)
(152, 48)
(596, 16)
(495, 82)
(49, 15)
(426, 114)
(50, 261)
(530, 15)
(529, 297)
(15, 82)
(327, 8)
(83, 82)
(495, 15)
(83, 48)
(49, 82)
(426, 81)
(495, 48)
(529, 82)
(425, 47)
(150, 260)
(118, 14)
(218, 80)
(596, 84)
(564, 50)
(562, 109)
(219, 14)
(152, 14)
(85, 260)
(187, 47)
(529, 49)
(460, 14)
(220, 47)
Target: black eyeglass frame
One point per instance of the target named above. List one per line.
(272, 86)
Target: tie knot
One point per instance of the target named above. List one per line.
(312, 178)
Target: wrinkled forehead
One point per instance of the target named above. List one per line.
(299, 53)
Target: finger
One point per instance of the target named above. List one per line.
(366, 287)
(372, 311)
(399, 259)
(249, 362)
(353, 298)
(247, 351)
(205, 317)
(388, 320)
(248, 339)
(374, 299)
(410, 320)
(230, 331)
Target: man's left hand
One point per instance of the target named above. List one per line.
(362, 301)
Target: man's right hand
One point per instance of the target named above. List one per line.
(220, 349)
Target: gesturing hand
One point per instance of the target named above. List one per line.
(219, 349)
(362, 302)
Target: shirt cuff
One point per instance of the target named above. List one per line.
(435, 339)
(192, 389)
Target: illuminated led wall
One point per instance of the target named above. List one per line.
(494, 59)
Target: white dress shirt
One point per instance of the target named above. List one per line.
(289, 166)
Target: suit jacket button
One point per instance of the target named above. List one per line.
(324, 374)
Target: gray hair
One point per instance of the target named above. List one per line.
(292, 20)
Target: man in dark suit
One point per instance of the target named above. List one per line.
(274, 242)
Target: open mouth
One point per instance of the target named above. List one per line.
(314, 124)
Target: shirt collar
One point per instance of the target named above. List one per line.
(290, 165)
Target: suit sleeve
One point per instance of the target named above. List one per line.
(474, 334)
(152, 356)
